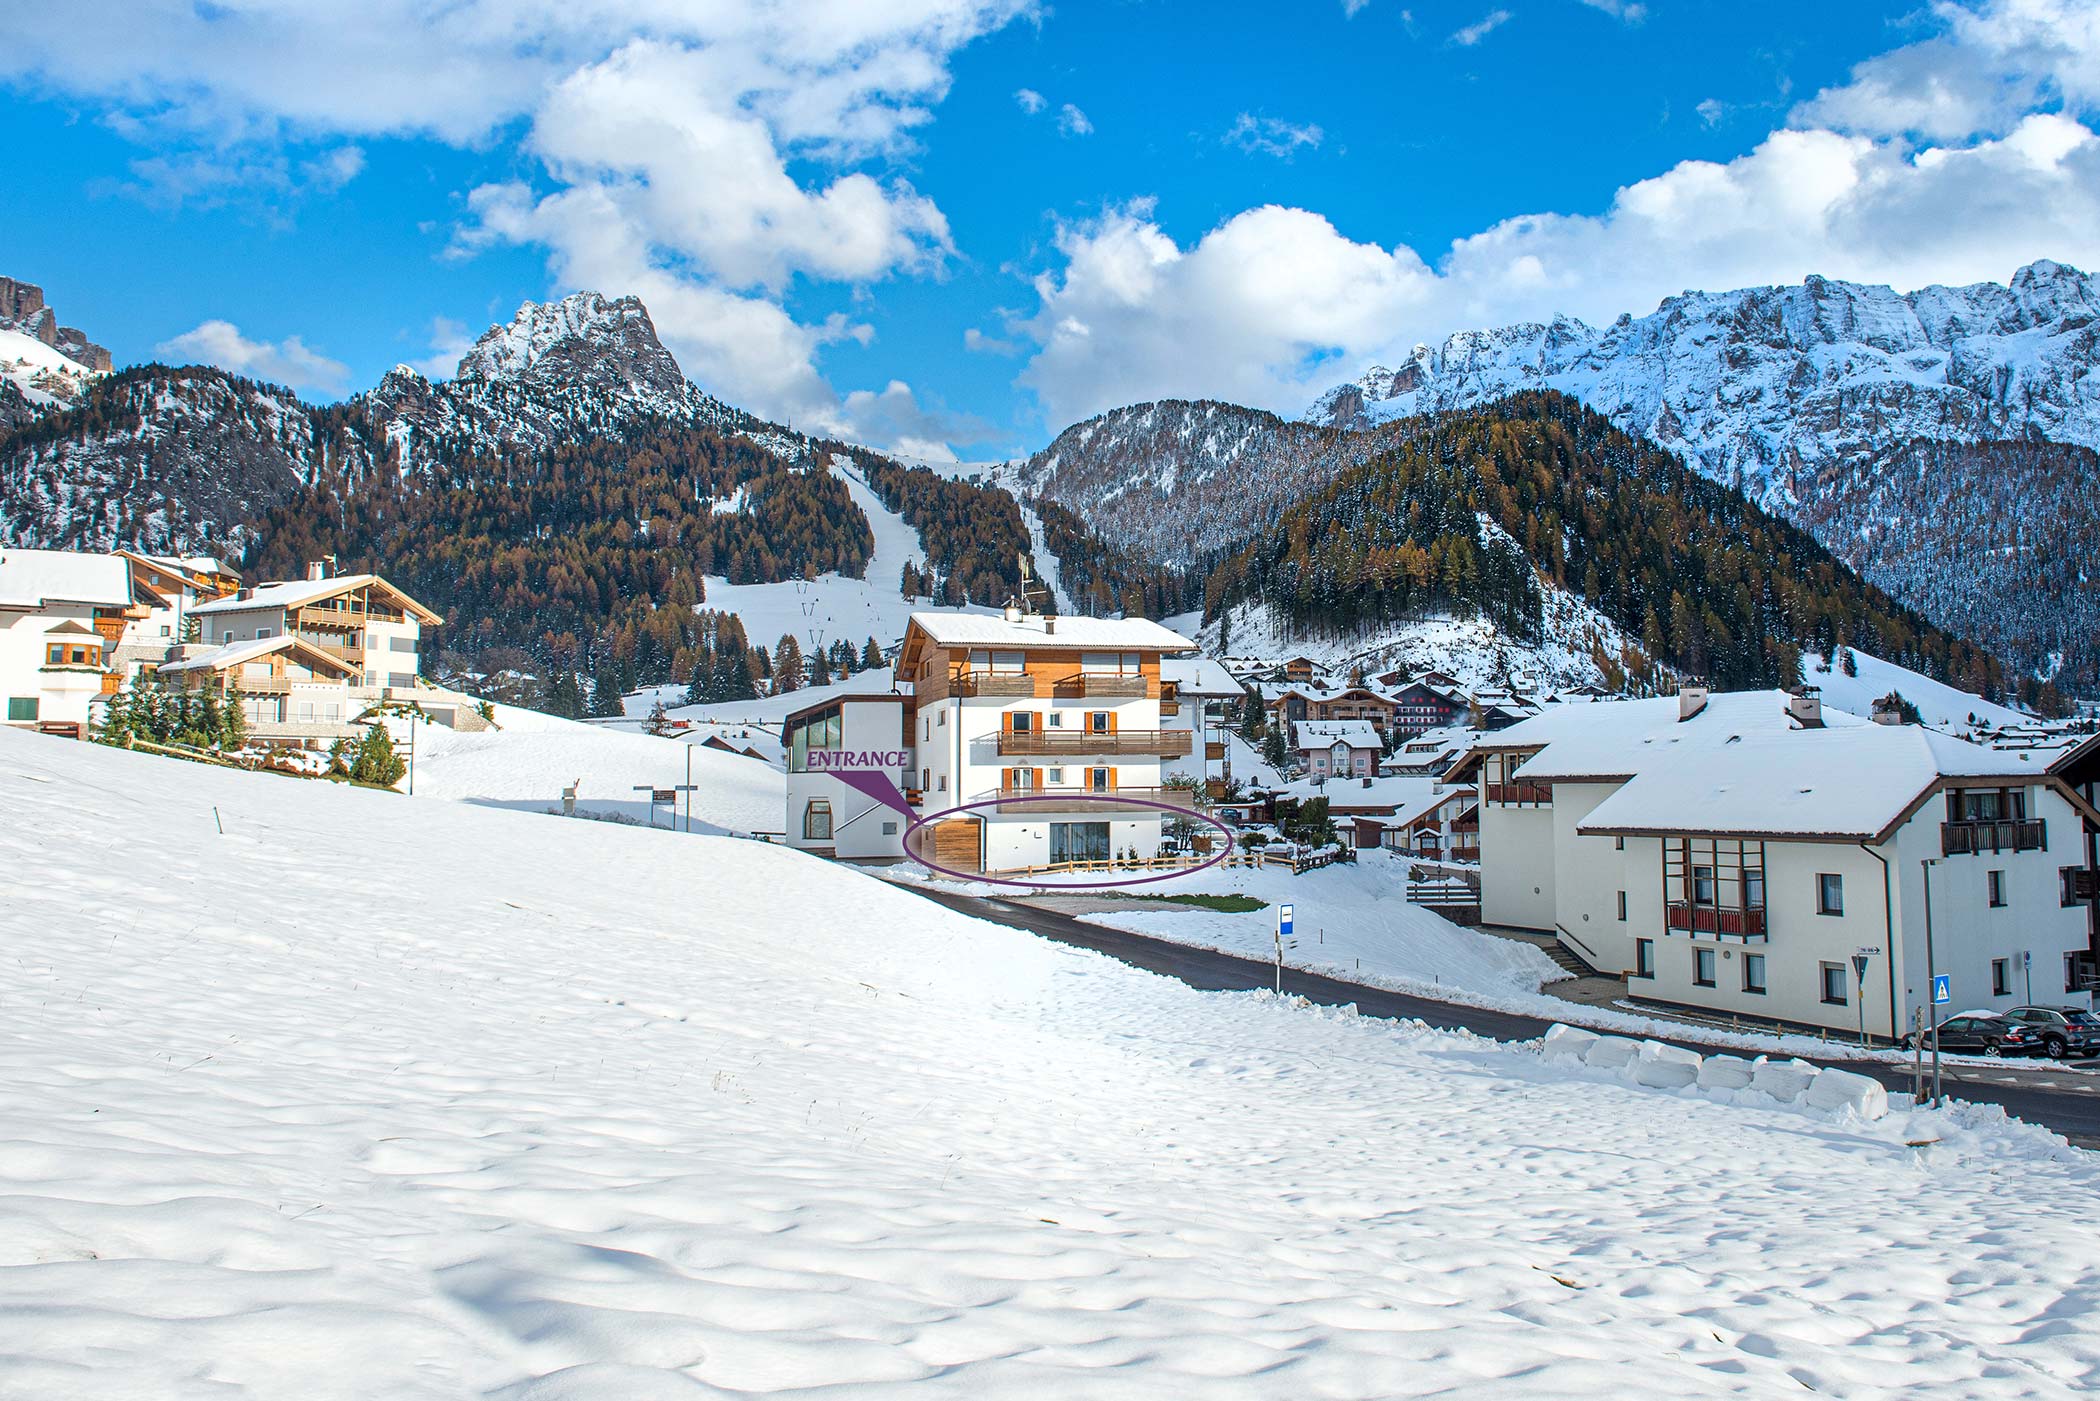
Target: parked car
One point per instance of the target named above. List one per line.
(2065, 1031)
(1986, 1034)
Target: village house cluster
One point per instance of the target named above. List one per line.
(301, 661)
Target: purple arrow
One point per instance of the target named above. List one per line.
(875, 784)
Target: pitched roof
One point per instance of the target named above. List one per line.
(299, 592)
(1037, 633)
(1321, 734)
(1199, 676)
(31, 579)
(234, 653)
(1617, 739)
(1850, 782)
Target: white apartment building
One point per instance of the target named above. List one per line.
(1199, 695)
(1735, 852)
(166, 589)
(1057, 720)
(60, 614)
(827, 816)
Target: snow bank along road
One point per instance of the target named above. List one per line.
(2068, 1103)
(374, 1097)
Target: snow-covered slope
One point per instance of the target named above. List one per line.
(832, 606)
(1941, 706)
(529, 761)
(579, 1111)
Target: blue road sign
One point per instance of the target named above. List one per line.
(1283, 921)
(1940, 991)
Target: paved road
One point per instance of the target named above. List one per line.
(2065, 1101)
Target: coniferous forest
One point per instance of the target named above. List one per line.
(1706, 581)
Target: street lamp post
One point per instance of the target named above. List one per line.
(1931, 975)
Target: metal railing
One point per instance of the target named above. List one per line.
(1970, 838)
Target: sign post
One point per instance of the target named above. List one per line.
(1942, 994)
(1284, 925)
(1859, 975)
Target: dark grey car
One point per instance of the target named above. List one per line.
(2065, 1031)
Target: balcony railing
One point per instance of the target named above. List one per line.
(1520, 792)
(1713, 919)
(994, 683)
(1081, 799)
(1167, 744)
(1214, 749)
(1116, 686)
(1969, 838)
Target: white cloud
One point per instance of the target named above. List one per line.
(1631, 11)
(894, 420)
(449, 342)
(1029, 100)
(703, 157)
(1711, 111)
(1480, 28)
(287, 362)
(1073, 122)
(1271, 136)
(1274, 304)
(1352, 8)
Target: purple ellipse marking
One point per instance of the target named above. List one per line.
(947, 813)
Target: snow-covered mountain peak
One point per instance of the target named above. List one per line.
(585, 336)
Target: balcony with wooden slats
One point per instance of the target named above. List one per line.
(1975, 838)
(1166, 744)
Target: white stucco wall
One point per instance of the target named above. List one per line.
(1516, 866)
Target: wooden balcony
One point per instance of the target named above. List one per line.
(1055, 800)
(1120, 686)
(340, 619)
(1971, 838)
(111, 683)
(1015, 684)
(1519, 792)
(342, 652)
(1712, 919)
(1166, 744)
(1214, 749)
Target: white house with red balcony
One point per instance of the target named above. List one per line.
(1737, 852)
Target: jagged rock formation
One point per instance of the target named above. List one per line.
(22, 309)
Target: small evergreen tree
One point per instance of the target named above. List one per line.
(819, 668)
(1274, 751)
(605, 694)
(1848, 663)
(233, 725)
(1252, 718)
(871, 656)
(376, 762)
(211, 717)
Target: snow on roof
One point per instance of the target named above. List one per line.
(1849, 781)
(1319, 734)
(1199, 675)
(1386, 791)
(294, 593)
(1616, 739)
(30, 579)
(234, 653)
(1105, 634)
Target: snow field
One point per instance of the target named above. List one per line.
(526, 764)
(573, 1112)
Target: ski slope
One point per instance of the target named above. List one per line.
(335, 1094)
(820, 611)
(1939, 705)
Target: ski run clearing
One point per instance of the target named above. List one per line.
(365, 1096)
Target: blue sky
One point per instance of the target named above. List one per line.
(959, 224)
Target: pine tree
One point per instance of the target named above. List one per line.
(787, 665)
(605, 694)
(1252, 718)
(1274, 751)
(871, 656)
(819, 668)
(211, 716)
(376, 762)
(233, 726)
(699, 688)
(565, 695)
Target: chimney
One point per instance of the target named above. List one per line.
(1013, 614)
(1050, 623)
(1367, 782)
(316, 571)
(1805, 704)
(1691, 699)
(1886, 711)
